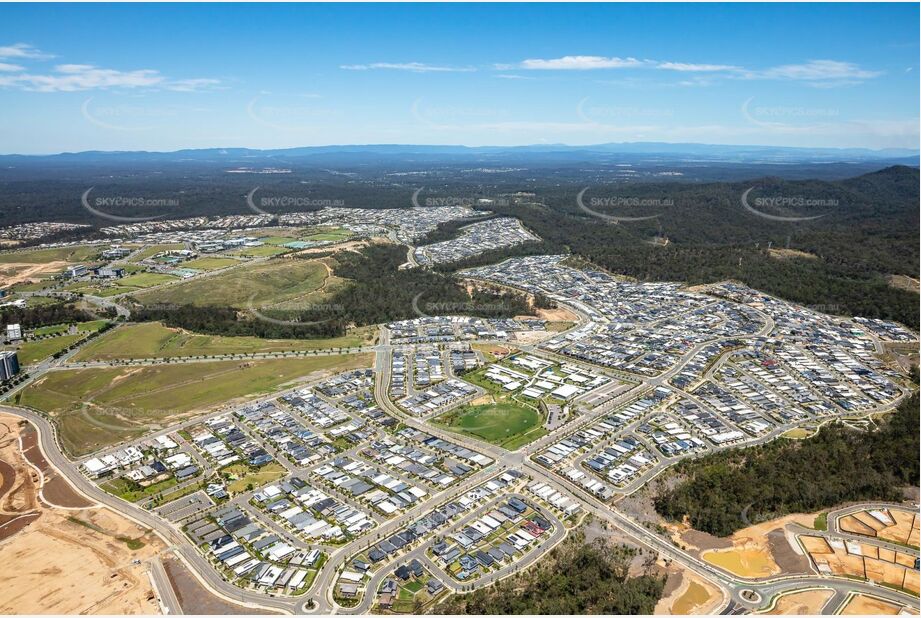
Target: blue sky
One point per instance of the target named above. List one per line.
(164, 77)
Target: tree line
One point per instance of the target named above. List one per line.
(44, 315)
(722, 492)
(576, 577)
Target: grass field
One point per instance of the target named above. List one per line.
(38, 301)
(334, 235)
(506, 424)
(92, 326)
(154, 340)
(155, 249)
(34, 351)
(51, 330)
(126, 285)
(245, 478)
(210, 263)
(260, 251)
(277, 240)
(83, 327)
(33, 287)
(265, 283)
(144, 280)
(98, 407)
(132, 492)
(78, 253)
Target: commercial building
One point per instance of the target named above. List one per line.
(13, 332)
(9, 365)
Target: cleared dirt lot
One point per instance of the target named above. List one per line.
(194, 599)
(686, 593)
(892, 524)
(862, 605)
(12, 273)
(60, 566)
(760, 550)
(807, 602)
(55, 491)
(66, 561)
(862, 560)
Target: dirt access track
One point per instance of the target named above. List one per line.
(61, 553)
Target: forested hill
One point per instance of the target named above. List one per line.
(839, 263)
(724, 491)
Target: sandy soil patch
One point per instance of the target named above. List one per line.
(531, 337)
(693, 595)
(12, 273)
(743, 561)
(807, 602)
(560, 314)
(752, 550)
(20, 482)
(782, 254)
(194, 598)
(903, 282)
(862, 560)
(353, 245)
(491, 349)
(55, 490)
(862, 605)
(58, 561)
(61, 567)
(899, 525)
(898, 354)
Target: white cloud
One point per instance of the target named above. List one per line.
(79, 77)
(22, 50)
(10, 67)
(75, 77)
(192, 85)
(413, 67)
(817, 73)
(578, 63)
(696, 68)
(819, 70)
(511, 76)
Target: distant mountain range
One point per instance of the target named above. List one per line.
(543, 153)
